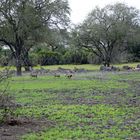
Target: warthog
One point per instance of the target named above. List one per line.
(127, 67)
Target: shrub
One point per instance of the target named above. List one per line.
(7, 104)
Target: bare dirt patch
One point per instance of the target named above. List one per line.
(14, 129)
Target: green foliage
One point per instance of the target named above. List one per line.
(48, 83)
(24, 23)
(43, 56)
(134, 46)
(97, 127)
(91, 105)
(106, 30)
(75, 56)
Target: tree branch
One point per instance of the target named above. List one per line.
(10, 46)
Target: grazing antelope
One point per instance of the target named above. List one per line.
(33, 75)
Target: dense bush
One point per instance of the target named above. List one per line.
(75, 57)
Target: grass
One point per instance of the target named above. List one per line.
(128, 76)
(90, 106)
(85, 66)
(62, 83)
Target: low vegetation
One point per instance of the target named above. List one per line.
(90, 105)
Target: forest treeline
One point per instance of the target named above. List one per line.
(39, 32)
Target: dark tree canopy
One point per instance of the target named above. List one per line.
(107, 29)
(25, 22)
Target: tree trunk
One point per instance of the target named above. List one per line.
(107, 61)
(27, 64)
(108, 64)
(26, 60)
(18, 67)
(27, 68)
(18, 60)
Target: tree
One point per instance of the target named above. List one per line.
(134, 45)
(24, 22)
(106, 30)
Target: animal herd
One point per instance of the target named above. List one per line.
(69, 76)
(68, 73)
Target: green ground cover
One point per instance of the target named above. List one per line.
(90, 106)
